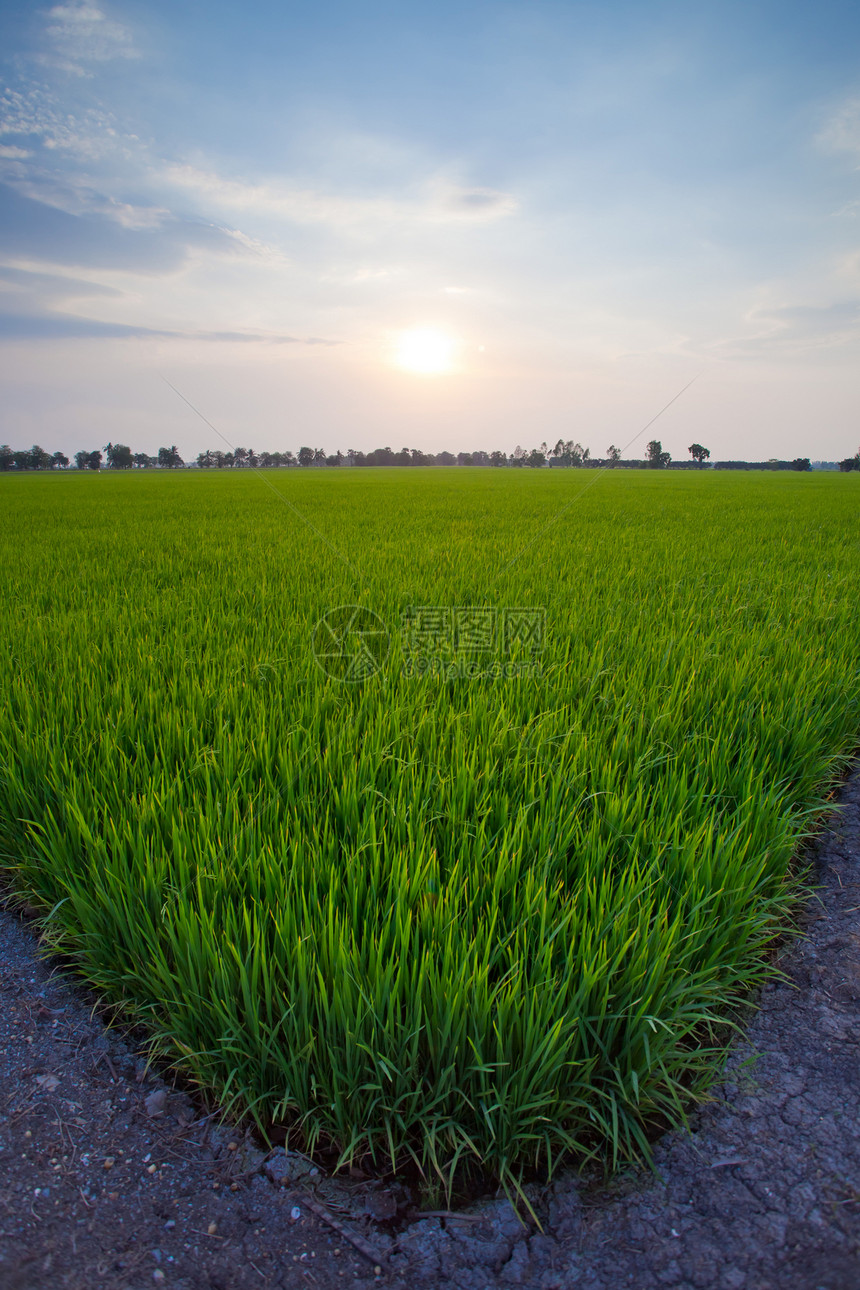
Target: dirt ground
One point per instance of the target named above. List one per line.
(111, 1179)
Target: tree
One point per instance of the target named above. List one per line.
(170, 457)
(306, 456)
(801, 463)
(612, 453)
(142, 460)
(536, 459)
(82, 460)
(59, 461)
(657, 458)
(38, 458)
(119, 456)
(698, 453)
(498, 458)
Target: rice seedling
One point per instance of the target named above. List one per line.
(471, 917)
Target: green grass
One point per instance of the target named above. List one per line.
(475, 922)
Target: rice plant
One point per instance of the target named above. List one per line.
(462, 917)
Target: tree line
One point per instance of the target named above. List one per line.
(565, 454)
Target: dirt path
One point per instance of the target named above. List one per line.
(110, 1180)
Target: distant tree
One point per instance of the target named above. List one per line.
(698, 453)
(498, 458)
(38, 458)
(656, 457)
(319, 456)
(21, 459)
(536, 459)
(334, 459)
(170, 457)
(82, 460)
(94, 460)
(205, 460)
(59, 461)
(306, 456)
(464, 459)
(801, 463)
(446, 459)
(142, 460)
(119, 456)
(7, 457)
(612, 454)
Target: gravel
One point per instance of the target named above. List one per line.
(111, 1177)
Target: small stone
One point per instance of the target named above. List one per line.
(158, 1275)
(156, 1102)
(109, 1163)
(212, 1229)
(295, 1213)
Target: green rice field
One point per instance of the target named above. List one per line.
(469, 878)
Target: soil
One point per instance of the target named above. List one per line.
(112, 1179)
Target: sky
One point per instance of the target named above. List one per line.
(449, 225)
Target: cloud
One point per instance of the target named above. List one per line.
(39, 305)
(842, 132)
(476, 203)
(17, 327)
(34, 230)
(81, 34)
(437, 202)
(32, 112)
(797, 330)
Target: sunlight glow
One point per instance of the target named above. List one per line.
(425, 351)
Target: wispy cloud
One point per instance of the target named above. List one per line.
(796, 330)
(841, 133)
(79, 35)
(436, 201)
(35, 305)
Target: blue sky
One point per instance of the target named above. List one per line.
(592, 203)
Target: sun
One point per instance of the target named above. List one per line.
(426, 351)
